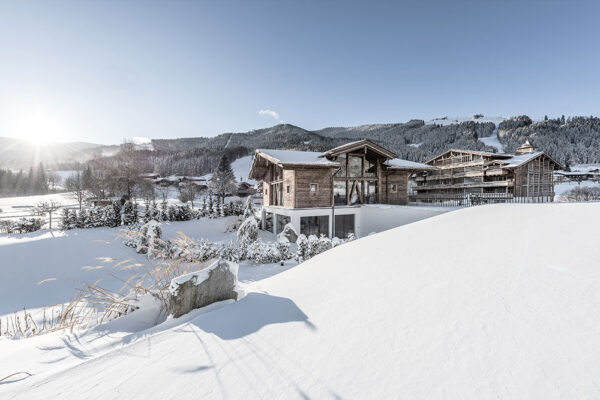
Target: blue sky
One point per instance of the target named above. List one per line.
(100, 71)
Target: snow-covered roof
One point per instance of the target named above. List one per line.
(357, 144)
(398, 163)
(342, 146)
(518, 160)
(295, 157)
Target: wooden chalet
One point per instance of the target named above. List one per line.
(483, 177)
(307, 188)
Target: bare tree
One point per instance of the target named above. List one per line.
(47, 207)
(53, 179)
(187, 193)
(75, 185)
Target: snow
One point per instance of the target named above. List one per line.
(199, 276)
(19, 207)
(241, 169)
(298, 157)
(434, 309)
(564, 187)
(458, 120)
(493, 141)
(521, 159)
(399, 163)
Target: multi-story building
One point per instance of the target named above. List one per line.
(322, 193)
(465, 176)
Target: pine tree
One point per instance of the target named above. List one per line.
(116, 214)
(223, 180)
(128, 213)
(64, 220)
(135, 212)
(82, 219)
(164, 212)
(72, 219)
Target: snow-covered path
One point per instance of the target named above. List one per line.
(493, 141)
(498, 301)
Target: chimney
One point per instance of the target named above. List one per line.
(526, 148)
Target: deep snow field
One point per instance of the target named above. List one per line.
(498, 301)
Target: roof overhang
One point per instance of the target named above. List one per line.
(360, 144)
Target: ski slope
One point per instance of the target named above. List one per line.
(498, 301)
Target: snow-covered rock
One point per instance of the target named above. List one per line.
(204, 287)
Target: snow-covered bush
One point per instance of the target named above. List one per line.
(324, 244)
(248, 208)
(246, 235)
(302, 248)
(263, 253)
(145, 239)
(130, 213)
(311, 246)
(289, 233)
(229, 251)
(189, 250)
(26, 225)
(283, 246)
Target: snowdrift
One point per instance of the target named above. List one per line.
(497, 301)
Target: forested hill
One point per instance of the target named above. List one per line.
(413, 140)
(571, 141)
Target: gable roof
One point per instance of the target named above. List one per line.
(295, 157)
(358, 144)
(400, 164)
(522, 159)
(479, 153)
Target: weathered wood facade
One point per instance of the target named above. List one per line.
(353, 174)
(526, 175)
(321, 193)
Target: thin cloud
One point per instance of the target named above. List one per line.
(269, 113)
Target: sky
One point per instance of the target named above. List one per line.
(102, 71)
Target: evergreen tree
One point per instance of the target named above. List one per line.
(223, 180)
(128, 218)
(83, 219)
(116, 214)
(64, 220)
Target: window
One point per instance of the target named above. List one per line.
(269, 222)
(355, 165)
(314, 187)
(287, 189)
(370, 192)
(266, 191)
(282, 221)
(315, 225)
(339, 193)
(394, 188)
(344, 225)
(370, 169)
(342, 160)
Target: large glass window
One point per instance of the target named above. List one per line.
(269, 221)
(339, 193)
(371, 192)
(355, 166)
(355, 192)
(370, 169)
(344, 225)
(342, 160)
(282, 221)
(315, 225)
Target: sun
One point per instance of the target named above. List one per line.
(37, 127)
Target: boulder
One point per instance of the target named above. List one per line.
(201, 288)
(289, 233)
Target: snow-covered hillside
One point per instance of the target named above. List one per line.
(241, 169)
(497, 301)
